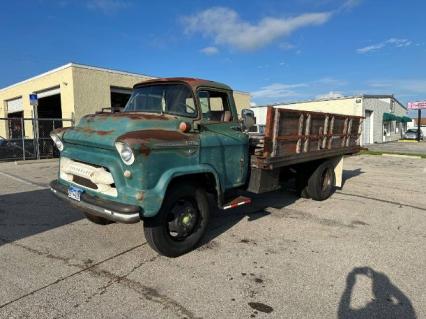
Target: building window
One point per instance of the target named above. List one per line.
(387, 128)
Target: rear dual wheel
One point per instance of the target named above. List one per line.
(180, 223)
(317, 184)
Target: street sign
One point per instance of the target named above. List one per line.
(33, 99)
(417, 105)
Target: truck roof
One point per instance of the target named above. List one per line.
(193, 82)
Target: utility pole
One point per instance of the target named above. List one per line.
(418, 106)
(419, 119)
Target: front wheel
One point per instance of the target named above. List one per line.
(180, 223)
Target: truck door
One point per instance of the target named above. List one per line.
(223, 145)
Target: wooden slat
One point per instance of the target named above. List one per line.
(307, 132)
(275, 133)
(270, 112)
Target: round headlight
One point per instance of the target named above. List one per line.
(57, 141)
(125, 152)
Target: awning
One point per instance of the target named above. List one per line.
(389, 117)
(406, 119)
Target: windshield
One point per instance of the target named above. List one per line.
(174, 99)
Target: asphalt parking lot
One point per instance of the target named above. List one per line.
(360, 254)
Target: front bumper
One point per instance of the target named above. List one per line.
(96, 206)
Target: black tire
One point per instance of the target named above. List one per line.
(321, 182)
(158, 231)
(97, 220)
(302, 177)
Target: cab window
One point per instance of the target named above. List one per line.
(176, 99)
(215, 106)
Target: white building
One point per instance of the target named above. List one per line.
(385, 117)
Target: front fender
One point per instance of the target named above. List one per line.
(153, 198)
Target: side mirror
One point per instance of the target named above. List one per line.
(248, 118)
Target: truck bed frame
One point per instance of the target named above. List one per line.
(294, 137)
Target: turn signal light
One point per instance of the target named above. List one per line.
(184, 127)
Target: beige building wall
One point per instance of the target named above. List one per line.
(61, 77)
(92, 88)
(346, 106)
(242, 101)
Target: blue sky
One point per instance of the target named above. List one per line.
(277, 50)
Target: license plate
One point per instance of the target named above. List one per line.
(75, 193)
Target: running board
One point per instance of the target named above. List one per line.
(239, 201)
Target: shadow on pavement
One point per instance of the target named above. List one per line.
(223, 220)
(388, 302)
(348, 174)
(29, 213)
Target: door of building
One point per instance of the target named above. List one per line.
(367, 127)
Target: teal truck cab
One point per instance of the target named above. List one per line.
(178, 140)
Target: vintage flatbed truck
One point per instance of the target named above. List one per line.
(180, 139)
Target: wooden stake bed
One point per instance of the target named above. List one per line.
(296, 136)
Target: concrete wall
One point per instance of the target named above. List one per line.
(92, 88)
(379, 106)
(61, 77)
(242, 101)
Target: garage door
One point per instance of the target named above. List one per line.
(48, 92)
(15, 105)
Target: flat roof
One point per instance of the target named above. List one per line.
(76, 65)
(361, 96)
(88, 67)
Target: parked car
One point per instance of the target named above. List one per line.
(411, 134)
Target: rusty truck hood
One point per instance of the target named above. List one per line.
(102, 130)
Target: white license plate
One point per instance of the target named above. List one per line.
(75, 193)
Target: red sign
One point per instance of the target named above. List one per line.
(417, 105)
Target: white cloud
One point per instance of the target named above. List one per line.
(329, 95)
(210, 50)
(286, 92)
(286, 46)
(350, 4)
(107, 6)
(394, 42)
(403, 86)
(253, 104)
(226, 27)
(277, 91)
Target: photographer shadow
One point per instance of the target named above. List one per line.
(388, 301)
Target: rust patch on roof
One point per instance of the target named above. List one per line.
(193, 82)
(129, 115)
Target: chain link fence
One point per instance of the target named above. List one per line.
(29, 138)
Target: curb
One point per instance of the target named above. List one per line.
(401, 156)
(49, 160)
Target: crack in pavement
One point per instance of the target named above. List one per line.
(382, 201)
(148, 293)
(48, 255)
